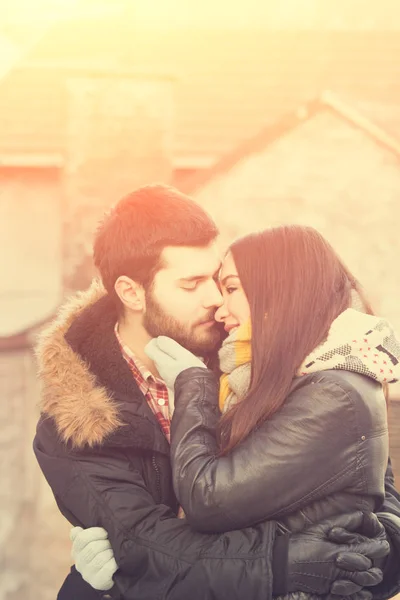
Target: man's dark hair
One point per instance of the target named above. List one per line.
(131, 237)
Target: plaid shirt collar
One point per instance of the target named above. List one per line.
(143, 375)
(153, 389)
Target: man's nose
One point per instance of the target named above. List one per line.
(214, 297)
(221, 314)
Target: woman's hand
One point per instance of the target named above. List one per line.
(171, 358)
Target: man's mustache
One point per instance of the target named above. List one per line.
(210, 317)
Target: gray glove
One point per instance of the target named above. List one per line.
(171, 358)
(93, 556)
(318, 566)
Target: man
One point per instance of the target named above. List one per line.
(103, 439)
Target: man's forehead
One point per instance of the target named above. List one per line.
(190, 261)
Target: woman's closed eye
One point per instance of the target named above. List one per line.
(231, 289)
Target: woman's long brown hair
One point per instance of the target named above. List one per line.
(296, 286)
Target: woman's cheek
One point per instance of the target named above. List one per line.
(230, 307)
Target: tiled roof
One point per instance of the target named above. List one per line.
(229, 83)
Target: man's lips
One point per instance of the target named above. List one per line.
(208, 323)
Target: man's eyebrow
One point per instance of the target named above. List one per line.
(225, 279)
(193, 278)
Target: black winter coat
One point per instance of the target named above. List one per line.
(106, 459)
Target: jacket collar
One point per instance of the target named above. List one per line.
(87, 386)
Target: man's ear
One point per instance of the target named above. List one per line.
(131, 293)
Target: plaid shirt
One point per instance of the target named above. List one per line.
(154, 390)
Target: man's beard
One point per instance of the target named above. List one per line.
(194, 337)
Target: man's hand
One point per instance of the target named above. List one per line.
(171, 358)
(338, 556)
(93, 556)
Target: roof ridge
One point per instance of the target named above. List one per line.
(287, 123)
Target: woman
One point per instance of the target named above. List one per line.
(303, 433)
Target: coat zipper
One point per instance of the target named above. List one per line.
(157, 470)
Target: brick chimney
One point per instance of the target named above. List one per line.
(119, 136)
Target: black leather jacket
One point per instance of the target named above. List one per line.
(324, 452)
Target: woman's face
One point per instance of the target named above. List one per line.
(235, 310)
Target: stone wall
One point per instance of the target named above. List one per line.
(329, 175)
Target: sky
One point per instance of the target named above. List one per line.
(218, 13)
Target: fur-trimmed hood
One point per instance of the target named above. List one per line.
(87, 387)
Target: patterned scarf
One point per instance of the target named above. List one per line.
(235, 364)
(356, 342)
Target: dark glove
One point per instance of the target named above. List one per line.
(370, 529)
(337, 556)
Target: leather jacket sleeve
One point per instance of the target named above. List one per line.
(391, 503)
(303, 452)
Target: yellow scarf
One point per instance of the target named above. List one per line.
(235, 352)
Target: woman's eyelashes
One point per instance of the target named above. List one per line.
(230, 289)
